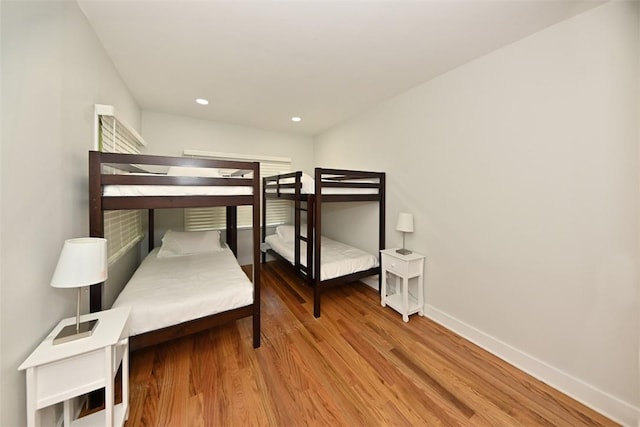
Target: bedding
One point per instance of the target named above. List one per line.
(174, 190)
(338, 259)
(168, 291)
(178, 190)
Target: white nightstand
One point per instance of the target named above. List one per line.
(403, 267)
(61, 372)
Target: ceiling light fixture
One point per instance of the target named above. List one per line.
(296, 119)
(202, 101)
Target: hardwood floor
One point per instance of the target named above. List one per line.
(358, 365)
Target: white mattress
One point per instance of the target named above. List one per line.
(167, 291)
(309, 187)
(337, 260)
(177, 190)
(174, 190)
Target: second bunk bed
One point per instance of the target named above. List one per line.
(329, 263)
(197, 284)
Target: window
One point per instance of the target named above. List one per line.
(215, 218)
(122, 229)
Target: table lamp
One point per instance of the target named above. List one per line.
(405, 224)
(82, 262)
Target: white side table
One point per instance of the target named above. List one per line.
(61, 372)
(402, 267)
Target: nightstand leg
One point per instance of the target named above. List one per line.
(421, 295)
(125, 379)
(67, 413)
(383, 294)
(33, 416)
(405, 299)
(108, 389)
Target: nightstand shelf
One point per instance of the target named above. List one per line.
(403, 268)
(395, 301)
(99, 418)
(61, 372)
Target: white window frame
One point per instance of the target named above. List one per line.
(214, 218)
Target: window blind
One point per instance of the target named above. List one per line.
(122, 229)
(215, 218)
(117, 138)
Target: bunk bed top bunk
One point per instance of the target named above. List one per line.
(335, 185)
(133, 181)
(328, 186)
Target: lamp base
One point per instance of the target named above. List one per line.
(69, 332)
(403, 251)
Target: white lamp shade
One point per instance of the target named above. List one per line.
(405, 222)
(82, 262)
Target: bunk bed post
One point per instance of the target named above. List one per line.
(317, 242)
(96, 221)
(232, 229)
(382, 220)
(264, 217)
(151, 227)
(256, 255)
(310, 234)
(296, 222)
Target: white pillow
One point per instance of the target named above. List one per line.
(192, 171)
(179, 243)
(308, 184)
(287, 232)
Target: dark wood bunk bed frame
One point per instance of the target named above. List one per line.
(324, 178)
(99, 203)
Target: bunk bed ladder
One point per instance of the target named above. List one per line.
(305, 271)
(302, 270)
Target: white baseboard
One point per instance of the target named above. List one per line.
(371, 281)
(608, 405)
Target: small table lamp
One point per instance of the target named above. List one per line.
(405, 224)
(82, 262)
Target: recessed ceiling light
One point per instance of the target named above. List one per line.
(296, 119)
(202, 101)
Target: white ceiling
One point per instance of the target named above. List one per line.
(261, 62)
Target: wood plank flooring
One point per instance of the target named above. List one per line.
(358, 365)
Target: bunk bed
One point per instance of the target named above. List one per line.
(137, 184)
(308, 195)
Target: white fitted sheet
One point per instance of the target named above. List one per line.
(338, 259)
(168, 291)
(177, 190)
(174, 190)
(309, 187)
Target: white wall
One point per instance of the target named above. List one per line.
(170, 135)
(521, 169)
(1, 145)
(53, 71)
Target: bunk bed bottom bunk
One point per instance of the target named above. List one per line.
(176, 296)
(341, 263)
(338, 259)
